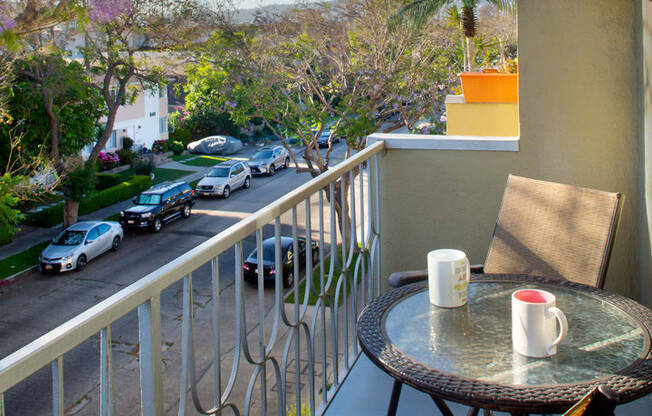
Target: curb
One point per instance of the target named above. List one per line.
(16, 276)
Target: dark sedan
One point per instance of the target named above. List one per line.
(250, 266)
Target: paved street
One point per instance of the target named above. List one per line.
(38, 303)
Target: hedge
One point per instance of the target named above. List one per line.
(52, 216)
(107, 180)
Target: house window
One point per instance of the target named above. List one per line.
(163, 125)
(112, 143)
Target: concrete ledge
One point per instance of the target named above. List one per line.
(407, 141)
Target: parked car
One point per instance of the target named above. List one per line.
(159, 205)
(215, 145)
(268, 160)
(225, 178)
(78, 244)
(250, 266)
(322, 141)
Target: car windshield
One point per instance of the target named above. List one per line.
(221, 172)
(262, 155)
(148, 199)
(69, 238)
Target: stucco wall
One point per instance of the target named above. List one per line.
(645, 186)
(486, 119)
(579, 91)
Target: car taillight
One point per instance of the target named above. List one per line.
(272, 271)
(244, 266)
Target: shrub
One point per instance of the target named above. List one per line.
(127, 143)
(177, 148)
(53, 215)
(144, 166)
(107, 180)
(182, 134)
(125, 156)
(9, 216)
(160, 146)
(108, 160)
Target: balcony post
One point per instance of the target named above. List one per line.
(149, 333)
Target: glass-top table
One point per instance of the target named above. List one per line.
(465, 354)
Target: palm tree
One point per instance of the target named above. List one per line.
(419, 11)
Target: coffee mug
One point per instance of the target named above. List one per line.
(534, 333)
(448, 278)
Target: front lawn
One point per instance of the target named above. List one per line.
(164, 174)
(21, 261)
(205, 161)
(179, 158)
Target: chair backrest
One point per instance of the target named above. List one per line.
(554, 230)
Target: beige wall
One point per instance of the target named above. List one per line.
(133, 111)
(579, 90)
(645, 219)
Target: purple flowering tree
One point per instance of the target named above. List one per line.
(123, 39)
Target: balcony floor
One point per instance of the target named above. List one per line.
(367, 389)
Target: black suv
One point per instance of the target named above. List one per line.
(158, 205)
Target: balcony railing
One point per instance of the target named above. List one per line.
(268, 345)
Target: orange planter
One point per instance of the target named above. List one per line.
(489, 87)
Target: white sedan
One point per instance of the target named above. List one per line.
(75, 246)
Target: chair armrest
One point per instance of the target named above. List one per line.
(399, 279)
(477, 268)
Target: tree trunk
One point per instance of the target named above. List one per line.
(106, 134)
(70, 210)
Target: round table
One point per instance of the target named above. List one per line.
(465, 354)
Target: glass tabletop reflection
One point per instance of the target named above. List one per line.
(474, 341)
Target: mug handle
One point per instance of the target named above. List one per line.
(563, 326)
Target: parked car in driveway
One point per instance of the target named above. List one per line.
(159, 205)
(250, 266)
(225, 178)
(78, 244)
(268, 160)
(322, 141)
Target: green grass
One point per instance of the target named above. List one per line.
(194, 183)
(114, 217)
(163, 174)
(179, 158)
(205, 161)
(21, 261)
(312, 299)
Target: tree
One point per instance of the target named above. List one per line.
(419, 11)
(122, 36)
(331, 64)
(54, 109)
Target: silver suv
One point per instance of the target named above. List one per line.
(224, 178)
(268, 160)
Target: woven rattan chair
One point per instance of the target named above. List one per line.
(548, 229)
(601, 401)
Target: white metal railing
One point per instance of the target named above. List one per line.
(356, 284)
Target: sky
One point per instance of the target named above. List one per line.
(249, 4)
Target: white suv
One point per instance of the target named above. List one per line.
(269, 159)
(224, 178)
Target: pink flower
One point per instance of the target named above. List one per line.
(104, 11)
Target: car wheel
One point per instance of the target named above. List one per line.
(287, 163)
(157, 225)
(227, 192)
(272, 169)
(185, 213)
(117, 241)
(288, 279)
(81, 262)
(247, 182)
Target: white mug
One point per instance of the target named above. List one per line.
(448, 278)
(534, 333)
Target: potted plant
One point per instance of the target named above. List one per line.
(491, 85)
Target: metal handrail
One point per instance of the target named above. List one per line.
(144, 294)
